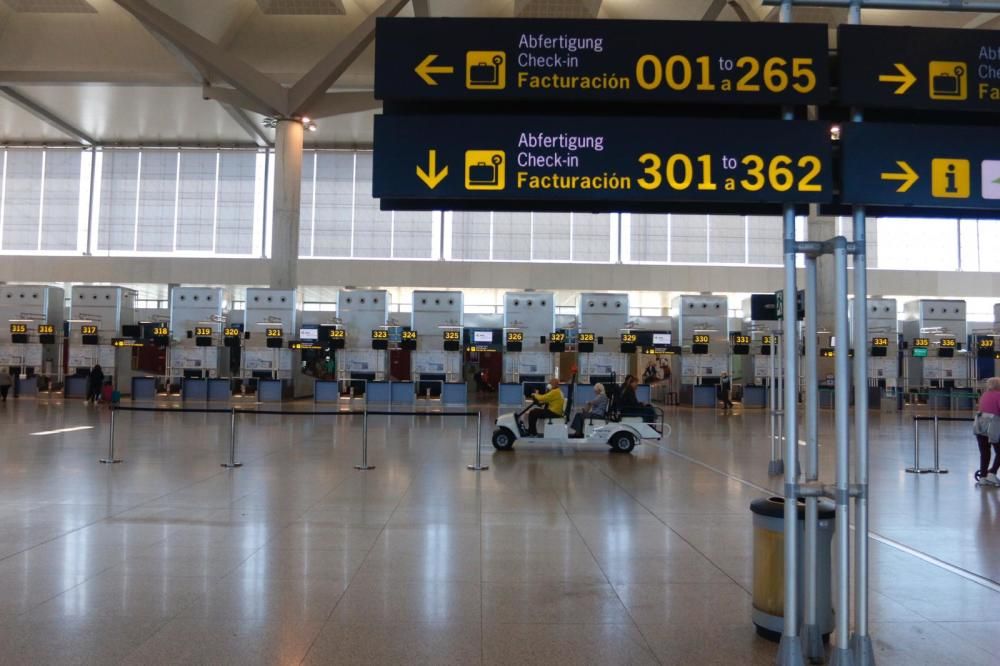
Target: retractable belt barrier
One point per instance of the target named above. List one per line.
(234, 412)
(917, 469)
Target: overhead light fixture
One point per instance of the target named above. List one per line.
(311, 127)
(305, 120)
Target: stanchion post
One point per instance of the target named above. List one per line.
(364, 444)
(232, 441)
(111, 442)
(917, 469)
(479, 448)
(937, 450)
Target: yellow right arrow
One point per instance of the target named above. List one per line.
(905, 78)
(432, 177)
(908, 176)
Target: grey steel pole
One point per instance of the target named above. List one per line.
(841, 651)
(364, 444)
(479, 466)
(790, 648)
(812, 635)
(916, 449)
(111, 441)
(232, 441)
(775, 467)
(937, 450)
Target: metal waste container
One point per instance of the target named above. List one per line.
(769, 565)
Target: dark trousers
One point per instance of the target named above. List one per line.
(647, 413)
(537, 414)
(984, 456)
(3, 392)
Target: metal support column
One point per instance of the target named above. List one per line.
(811, 632)
(775, 467)
(841, 651)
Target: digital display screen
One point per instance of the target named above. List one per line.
(948, 342)
(125, 342)
(409, 335)
(586, 337)
(231, 332)
(629, 338)
(557, 336)
(274, 333)
(380, 334)
(88, 329)
(921, 342)
(661, 339)
(203, 332)
(303, 344)
(919, 352)
(700, 339)
(18, 328)
(986, 343)
(452, 336)
(515, 336)
(740, 339)
(131, 331)
(338, 334)
(767, 340)
(484, 337)
(311, 334)
(880, 342)
(160, 331)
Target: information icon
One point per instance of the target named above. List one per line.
(949, 80)
(950, 178)
(485, 169)
(485, 70)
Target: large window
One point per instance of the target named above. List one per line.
(42, 199)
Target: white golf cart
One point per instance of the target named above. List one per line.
(618, 432)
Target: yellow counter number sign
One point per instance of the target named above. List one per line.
(678, 72)
(781, 173)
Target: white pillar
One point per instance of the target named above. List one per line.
(287, 204)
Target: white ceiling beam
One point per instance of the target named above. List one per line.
(231, 69)
(235, 27)
(249, 126)
(233, 97)
(117, 78)
(40, 112)
(311, 87)
(714, 10)
(421, 8)
(339, 103)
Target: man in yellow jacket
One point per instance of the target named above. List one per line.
(551, 404)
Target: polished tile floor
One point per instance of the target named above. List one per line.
(552, 556)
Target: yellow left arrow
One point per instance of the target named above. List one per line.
(907, 176)
(426, 68)
(432, 177)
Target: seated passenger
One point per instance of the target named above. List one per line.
(595, 408)
(551, 405)
(629, 404)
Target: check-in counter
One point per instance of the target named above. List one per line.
(510, 394)
(143, 388)
(378, 392)
(219, 389)
(270, 390)
(455, 393)
(326, 390)
(402, 393)
(26, 386)
(75, 386)
(754, 396)
(194, 389)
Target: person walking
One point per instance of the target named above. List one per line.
(6, 381)
(987, 431)
(95, 384)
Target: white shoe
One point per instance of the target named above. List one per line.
(990, 480)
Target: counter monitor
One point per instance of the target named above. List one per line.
(948, 342)
(336, 336)
(987, 343)
(408, 340)
(880, 342)
(585, 343)
(88, 329)
(452, 339)
(18, 328)
(628, 342)
(740, 339)
(557, 342)
(202, 332)
(161, 331)
(274, 333)
(921, 342)
(514, 341)
(700, 339)
(231, 332)
(380, 338)
(46, 329)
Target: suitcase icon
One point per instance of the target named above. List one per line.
(484, 169)
(485, 70)
(948, 84)
(948, 80)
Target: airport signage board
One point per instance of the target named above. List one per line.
(569, 161)
(555, 60)
(921, 166)
(919, 68)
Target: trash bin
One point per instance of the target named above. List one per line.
(769, 565)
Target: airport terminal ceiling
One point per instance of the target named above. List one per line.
(102, 73)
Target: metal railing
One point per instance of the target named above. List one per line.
(937, 469)
(234, 412)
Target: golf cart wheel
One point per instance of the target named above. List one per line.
(503, 439)
(622, 442)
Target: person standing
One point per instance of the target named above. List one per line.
(95, 384)
(987, 432)
(5, 383)
(725, 389)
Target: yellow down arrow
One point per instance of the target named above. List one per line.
(905, 78)
(908, 176)
(432, 177)
(426, 68)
